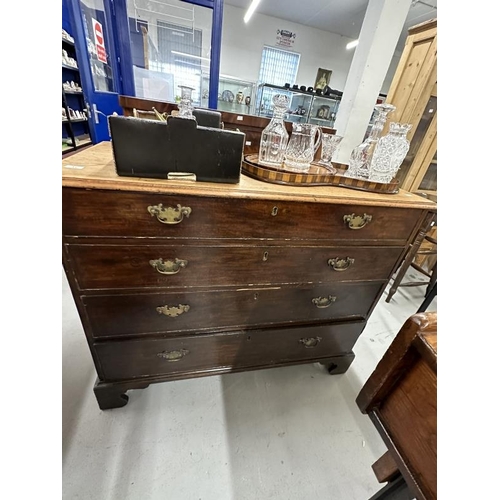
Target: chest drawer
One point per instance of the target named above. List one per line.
(132, 266)
(174, 312)
(142, 358)
(121, 214)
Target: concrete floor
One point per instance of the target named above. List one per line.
(284, 433)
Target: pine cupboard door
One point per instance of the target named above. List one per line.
(414, 93)
(415, 77)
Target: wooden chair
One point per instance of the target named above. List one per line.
(400, 397)
(423, 245)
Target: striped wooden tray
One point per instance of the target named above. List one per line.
(317, 175)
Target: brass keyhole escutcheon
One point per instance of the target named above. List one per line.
(265, 256)
(274, 211)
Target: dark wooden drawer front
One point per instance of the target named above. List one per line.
(116, 315)
(118, 267)
(141, 358)
(114, 213)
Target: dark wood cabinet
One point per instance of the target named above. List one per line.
(179, 279)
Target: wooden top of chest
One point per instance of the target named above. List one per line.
(98, 172)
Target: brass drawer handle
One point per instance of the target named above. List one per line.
(339, 264)
(168, 266)
(173, 311)
(324, 302)
(310, 342)
(169, 215)
(357, 221)
(173, 355)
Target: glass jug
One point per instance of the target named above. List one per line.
(390, 152)
(301, 147)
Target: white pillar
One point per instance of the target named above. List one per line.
(381, 29)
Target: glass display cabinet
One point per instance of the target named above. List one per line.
(305, 107)
(235, 95)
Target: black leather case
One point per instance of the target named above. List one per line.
(150, 148)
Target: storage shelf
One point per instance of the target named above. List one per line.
(72, 126)
(83, 143)
(75, 120)
(70, 67)
(80, 144)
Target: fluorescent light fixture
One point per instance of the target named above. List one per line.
(251, 10)
(352, 44)
(189, 55)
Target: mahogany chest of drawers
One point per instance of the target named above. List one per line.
(179, 279)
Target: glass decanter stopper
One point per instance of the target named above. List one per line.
(274, 137)
(390, 152)
(361, 156)
(329, 146)
(186, 103)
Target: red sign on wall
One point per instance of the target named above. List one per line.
(99, 41)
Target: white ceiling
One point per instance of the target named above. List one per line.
(343, 17)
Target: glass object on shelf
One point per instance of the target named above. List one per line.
(329, 145)
(305, 106)
(235, 95)
(361, 156)
(186, 103)
(274, 138)
(300, 151)
(390, 152)
(324, 110)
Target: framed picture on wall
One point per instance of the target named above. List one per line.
(322, 78)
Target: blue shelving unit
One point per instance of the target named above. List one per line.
(75, 131)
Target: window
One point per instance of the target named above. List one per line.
(180, 53)
(278, 67)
